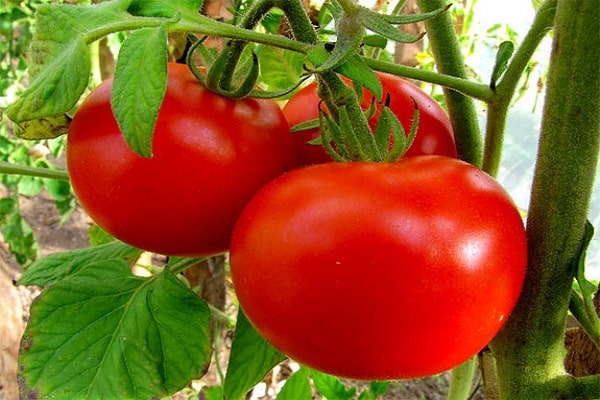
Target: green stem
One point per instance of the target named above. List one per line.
(183, 264)
(14, 169)
(530, 348)
(234, 48)
(461, 380)
(206, 26)
(472, 89)
(449, 61)
(505, 89)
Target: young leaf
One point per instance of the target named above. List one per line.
(505, 52)
(165, 9)
(250, 360)
(139, 86)
(331, 387)
(279, 68)
(297, 387)
(59, 63)
(104, 333)
(53, 268)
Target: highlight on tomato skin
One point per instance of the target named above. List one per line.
(211, 154)
(434, 135)
(380, 271)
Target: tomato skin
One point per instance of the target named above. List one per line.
(380, 271)
(434, 133)
(211, 154)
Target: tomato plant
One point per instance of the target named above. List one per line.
(367, 270)
(380, 271)
(211, 154)
(434, 134)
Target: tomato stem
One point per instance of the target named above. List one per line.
(15, 169)
(461, 380)
(530, 349)
(449, 61)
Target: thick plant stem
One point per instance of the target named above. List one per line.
(530, 349)
(449, 61)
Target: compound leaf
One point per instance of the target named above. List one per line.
(104, 333)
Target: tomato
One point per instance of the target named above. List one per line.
(211, 154)
(380, 271)
(434, 133)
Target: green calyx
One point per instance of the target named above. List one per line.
(345, 129)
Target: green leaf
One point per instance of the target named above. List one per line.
(139, 86)
(589, 319)
(358, 71)
(279, 68)
(165, 9)
(297, 387)
(44, 128)
(55, 267)
(104, 333)
(505, 52)
(16, 231)
(331, 387)
(379, 388)
(250, 360)
(59, 63)
(212, 393)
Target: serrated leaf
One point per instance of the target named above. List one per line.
(55, 89)
(139, 86)
(331, 387)
(51, 269)
(104, 333)
(297, 387)
(505, 52)
(250, 360)
(279, 68)
(161, 8)
(59, 63)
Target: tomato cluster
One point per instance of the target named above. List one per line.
(363, 270)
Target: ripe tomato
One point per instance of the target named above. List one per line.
(434, 133)
(380, 271)
(211, 154)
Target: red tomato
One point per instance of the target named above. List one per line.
(434, 133)
(211, 154)
(380, 271)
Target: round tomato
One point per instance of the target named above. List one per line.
(211, 154)
(434, 134)
(380, 271)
